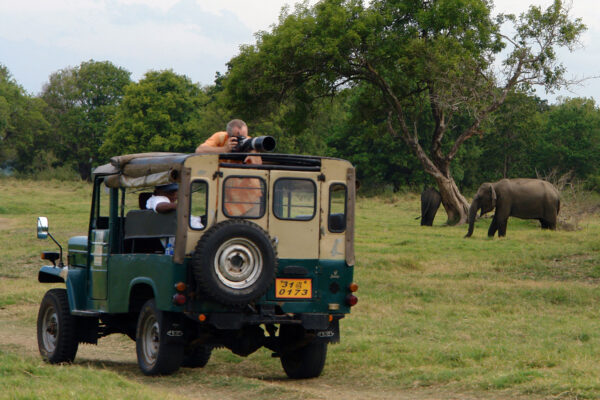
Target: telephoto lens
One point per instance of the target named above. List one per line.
(259, 143)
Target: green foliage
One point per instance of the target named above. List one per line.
(24, 131)
(81, 104)
(570, 139)
(161, 112)
(513, 136)
(359, 135)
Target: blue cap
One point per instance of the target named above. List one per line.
(169, 187)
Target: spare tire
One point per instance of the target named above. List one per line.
(234, 262)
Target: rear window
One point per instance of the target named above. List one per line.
(337, 208)
(294, 199)
(244, 197)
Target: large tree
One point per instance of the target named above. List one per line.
(162, 112)
(429, 60)
(24, 132)
(81, 104)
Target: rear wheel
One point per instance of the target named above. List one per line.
(306, 361)
(57, 328)
(197, 357)
(154, 355)
(299, 359)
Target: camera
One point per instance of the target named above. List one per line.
(259, 143)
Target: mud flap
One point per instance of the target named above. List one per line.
(329, 335)
(174, 328)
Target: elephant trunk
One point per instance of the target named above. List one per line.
(472, 215)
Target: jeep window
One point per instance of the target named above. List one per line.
(294, 199)
(101, 205)
(244, 197)
(337, 208)
(198, 204)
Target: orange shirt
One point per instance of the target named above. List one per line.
(217, 139)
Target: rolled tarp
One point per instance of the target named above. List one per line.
(142, 169)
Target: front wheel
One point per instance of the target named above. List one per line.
(154, 355)
(57, 328)
(306, 361)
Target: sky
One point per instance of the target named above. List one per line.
(193, 37)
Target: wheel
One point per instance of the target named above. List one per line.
(197, 357)
(235, 262)
(57, 328)
(301, 361)
(154, 355)
(306, 361)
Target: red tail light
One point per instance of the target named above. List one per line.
(351, 300)
(179, 299)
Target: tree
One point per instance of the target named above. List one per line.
(81, 104)
(515, 132)
(24, 132)
(159, 113)
(570, 139)
(428, 59)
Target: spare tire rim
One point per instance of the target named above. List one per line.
(238, 263)
(50, 329)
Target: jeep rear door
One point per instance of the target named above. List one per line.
(294, 214)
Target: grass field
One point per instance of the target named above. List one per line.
(439, 316)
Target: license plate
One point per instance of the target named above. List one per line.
(293, 288)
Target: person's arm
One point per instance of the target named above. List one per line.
(206, 149)
(217, 143)
(165, 207)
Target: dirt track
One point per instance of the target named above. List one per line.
(117, 353)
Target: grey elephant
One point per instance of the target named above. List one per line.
(430, 202)
(521, 198)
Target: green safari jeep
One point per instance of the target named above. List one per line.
(253, 256)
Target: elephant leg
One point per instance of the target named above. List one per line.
(552, 223)
(545, 224)
(493, 227)
(502, 227)
(429, 218)
(424, 213)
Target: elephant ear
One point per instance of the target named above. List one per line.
(493, 196)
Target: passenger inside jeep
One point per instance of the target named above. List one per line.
(164, 198)
(152, 228)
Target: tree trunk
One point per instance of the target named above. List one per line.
(456, 206)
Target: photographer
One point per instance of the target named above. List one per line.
(226, 142)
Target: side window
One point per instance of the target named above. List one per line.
(101, 205)
(198, 204)
(337, 208)
(244, 197)
(294, 199)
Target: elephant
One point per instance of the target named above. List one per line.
(521, 198)
(430, 202)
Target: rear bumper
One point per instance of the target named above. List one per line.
(309, 321)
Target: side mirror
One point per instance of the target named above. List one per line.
(42, 228)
